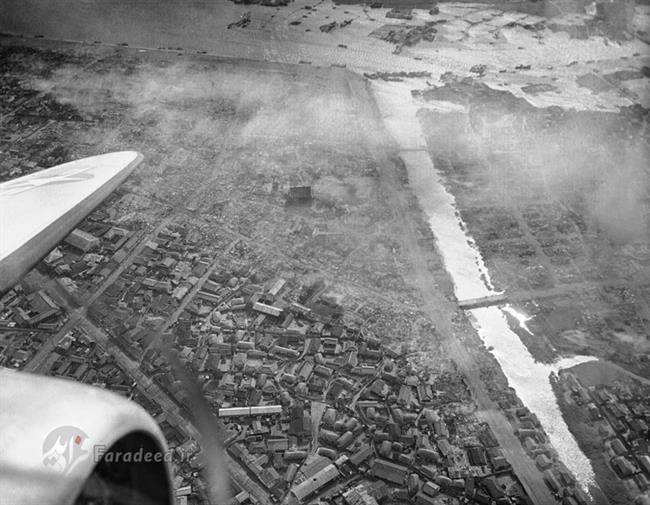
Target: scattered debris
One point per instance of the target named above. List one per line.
(398, 13)
(405, 35)
(243, 21)
(478, 69)
(535, 89)
(396, 76)
(328, 27)
(299, 195)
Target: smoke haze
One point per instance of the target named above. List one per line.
(594, 163)
(252, 104)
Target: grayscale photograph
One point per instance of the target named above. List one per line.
(324, 252)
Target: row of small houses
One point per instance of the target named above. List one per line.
(623, 426)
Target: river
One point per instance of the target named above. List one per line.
(471, 279)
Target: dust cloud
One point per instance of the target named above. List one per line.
(203, 105)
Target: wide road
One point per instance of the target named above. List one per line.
(201, 26)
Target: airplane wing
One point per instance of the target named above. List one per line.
(57, 435)
(40, 209)
(55, 442)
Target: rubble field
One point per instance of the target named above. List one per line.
(555, 200)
